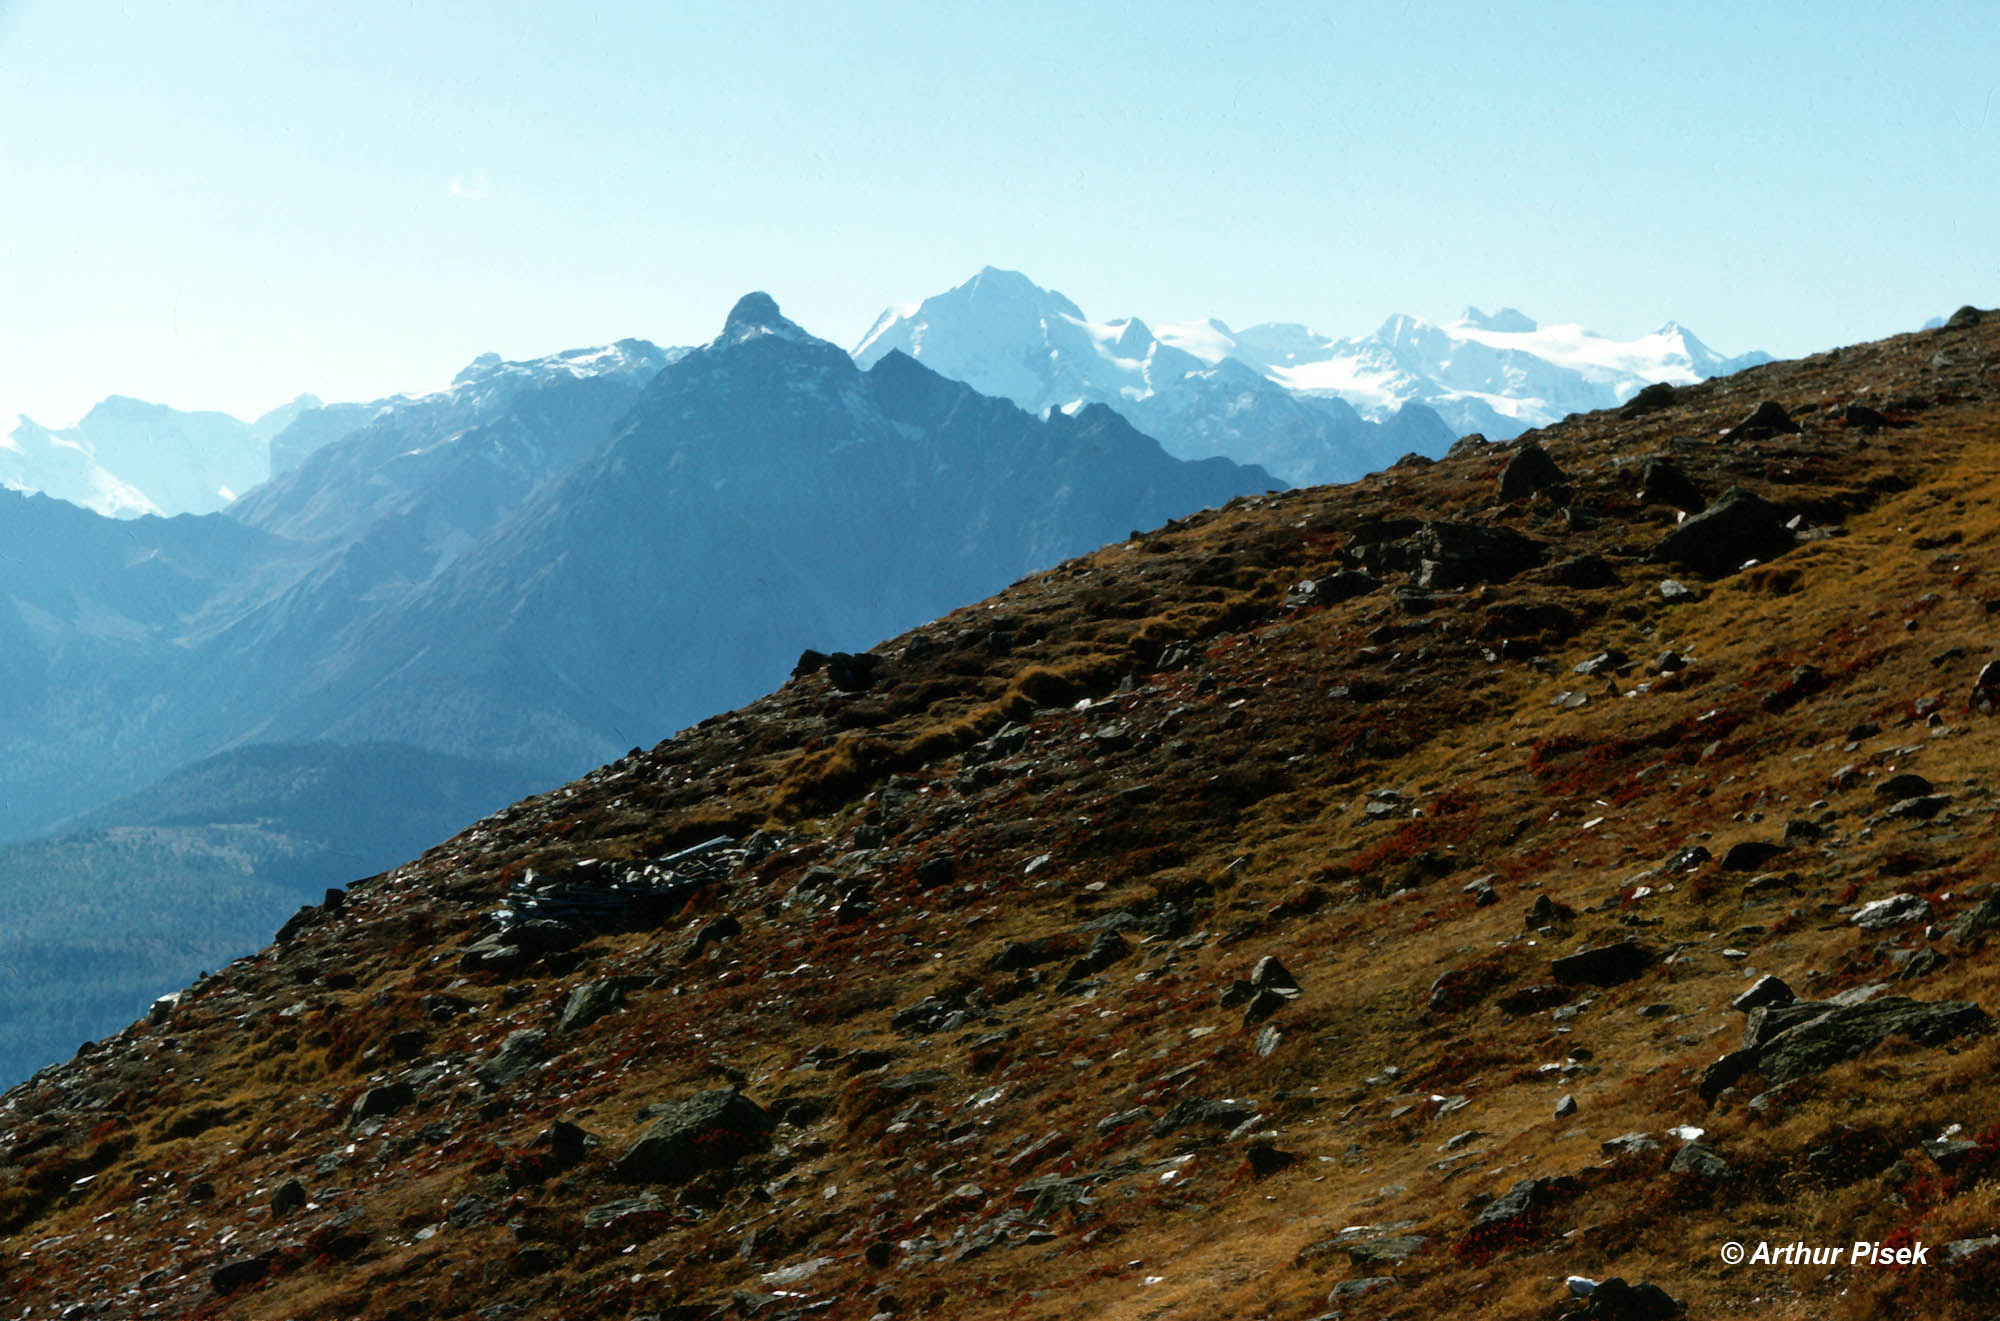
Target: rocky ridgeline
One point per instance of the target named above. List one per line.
(1485, 888)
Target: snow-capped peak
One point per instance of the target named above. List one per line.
(1498, 372)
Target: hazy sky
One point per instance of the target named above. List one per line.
(222, 204)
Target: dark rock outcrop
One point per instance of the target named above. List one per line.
(1603, 965)
(1529, 471)
(710, 1130)
(1663, 483)
(1769, 418)
(1846, 1032)
(1740, 527)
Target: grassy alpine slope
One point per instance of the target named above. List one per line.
(975, 968)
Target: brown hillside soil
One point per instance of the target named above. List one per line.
(1157, 742)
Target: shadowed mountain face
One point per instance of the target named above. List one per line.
(1550, 860)
(763, 496)
(528, 573)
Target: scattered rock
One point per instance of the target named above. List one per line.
(710, 1130)
(1977, 920)
(1265, 1159)
(629, 1214)
(1799, 832)
(376, 1102)
(1948, 1153)
(1460, 554)
(1349, 1290)
(714, 931)
(1860, 417)
(1389, 1250)
(288, 1197)
(1342, 585)
(518, 1055)
(1702, 1161)
(1767, 1021)
(1663, 483)
(1750, 855)
(1960, 1249)
(1615, 1300)
(1603, 965)
(1986, 689)
(1675, 592)
(1122, 1119)
(1191, 1111)
(1533, 999)
(1023, 954)
(1264, 1003)
(588, 1003)
(1922, 963)
(1106, 949)
(1513, 1212)
(1917, 809)
(1847, 1031)
(1766, 990)
(1565, 1106)
(234, 1275)
(852, 673)
(1725, 1073)
(1604, 662)
(1963, 317)
(1736, 529)
(1904, 784)
(1769, 418)
(1270, 972)
(1629, 1144)
(1529, 471)
(1898, 910)
(1650, 399)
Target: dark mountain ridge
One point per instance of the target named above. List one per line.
(524, 575)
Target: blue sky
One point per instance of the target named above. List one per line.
(221, 204)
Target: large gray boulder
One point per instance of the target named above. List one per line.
(1851, 1030)
(709, 1130)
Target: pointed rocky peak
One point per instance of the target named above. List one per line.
(1135, 341)
(757, 314)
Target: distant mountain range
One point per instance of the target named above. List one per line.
(508, 582)
(127, 458)
(505, 582)
(1310, 408)
(1306, 407)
